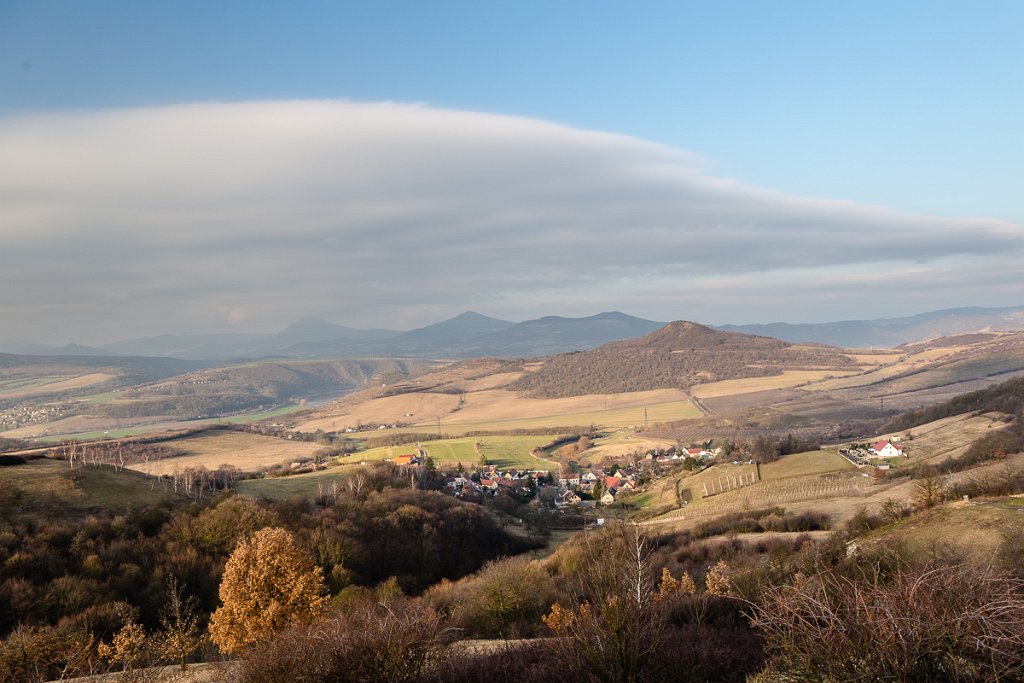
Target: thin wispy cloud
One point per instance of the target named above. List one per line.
(216, 216)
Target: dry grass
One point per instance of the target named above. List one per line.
(789, 378)
(945, 438)
(973, 530)
(498, 409)
(806, 464)
(425, 408)
(873, 358)
(897, 366)
(494, 381)
(247, 452)
(621, 443)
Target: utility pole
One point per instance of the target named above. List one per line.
(645, 416)
(439, 427)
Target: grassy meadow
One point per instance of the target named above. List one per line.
(503, 451)
(248, 452)
(53, 482)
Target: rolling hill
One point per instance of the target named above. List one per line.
(678, 356)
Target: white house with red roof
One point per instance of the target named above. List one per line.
(885, 449)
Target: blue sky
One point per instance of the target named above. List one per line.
(914, 107)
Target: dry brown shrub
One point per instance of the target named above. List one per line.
(368, 641)
(956, 623)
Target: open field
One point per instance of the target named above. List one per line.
(307, 484)
(970, 530)
(52, 385)
(500, 405)
(497, 410)
(809, 476)
(247, 452)
(825, 492)
(806, 464)
(9, 387)
(788, 378)
(82, 488)
(621, 443)
(897, 366)
(72, 427)
(503, 451)
(412, 408)
(624, 410)
(945, 438)
(85, 428)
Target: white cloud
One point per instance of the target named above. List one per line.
(390, 214)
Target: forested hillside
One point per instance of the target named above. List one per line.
(676, 356)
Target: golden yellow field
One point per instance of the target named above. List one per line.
(498, 409)
(247, 452)
(498, 404)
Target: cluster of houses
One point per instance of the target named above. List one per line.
(22, 416)
(568, 489)
(673, 454)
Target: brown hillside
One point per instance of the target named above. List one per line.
(678, 355)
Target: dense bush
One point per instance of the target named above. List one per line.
(951, 623)
(368, 641)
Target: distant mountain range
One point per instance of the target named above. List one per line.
(891, 332)
(468, 335)
(472, 335)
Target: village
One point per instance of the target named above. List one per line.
(572, 487)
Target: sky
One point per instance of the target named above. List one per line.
(191, 166)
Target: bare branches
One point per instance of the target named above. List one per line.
(941, 623)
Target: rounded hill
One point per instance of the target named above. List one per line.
(678, 356)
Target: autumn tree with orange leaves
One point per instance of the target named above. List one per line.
(269, 583)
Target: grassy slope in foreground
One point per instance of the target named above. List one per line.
(46, 481)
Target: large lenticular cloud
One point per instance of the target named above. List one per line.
(175, 218)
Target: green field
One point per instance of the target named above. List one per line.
(99, 399)
(307, 485)
(503, 451)
(804, 464)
